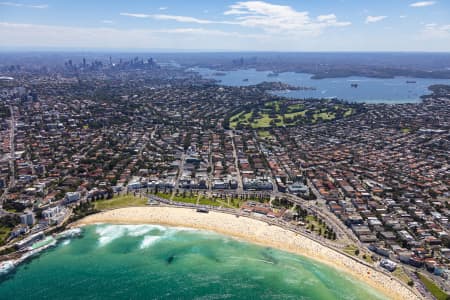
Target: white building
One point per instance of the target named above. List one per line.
(27, 219)
(51, 212)
(72, 197)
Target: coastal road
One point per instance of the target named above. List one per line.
(332, 217)
(338, 227)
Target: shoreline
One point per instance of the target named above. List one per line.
(257, 232)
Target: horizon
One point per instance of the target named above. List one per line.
(205, 51)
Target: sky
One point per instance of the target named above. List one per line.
(219, 25)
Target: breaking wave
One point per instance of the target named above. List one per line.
(109, 233)
(148, 241)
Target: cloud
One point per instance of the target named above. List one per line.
(181, 19)
(422, 3)
(435, 31)
(16, 4)
(36, 36)
(107, 22)
(280, 18)
(271, 18)
(27, 35)
(135, 15)
(374, 19)
(163, 8)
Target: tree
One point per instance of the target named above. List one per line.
(9, 221)
(357, 252)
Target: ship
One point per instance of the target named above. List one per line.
(410, 81)
(245, 80)
(273, 74)
(354, 85)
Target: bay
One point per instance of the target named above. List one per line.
(368, 90)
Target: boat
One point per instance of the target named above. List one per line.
(245, 80)
(411, 81)
(354, 85)
(219, 74)
(273, 74)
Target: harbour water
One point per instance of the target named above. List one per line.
(369, 90)
(156, 262)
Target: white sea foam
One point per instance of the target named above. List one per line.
(180, 228)
(65, 242)
(109, 233)
(148, 241)
(139, 230)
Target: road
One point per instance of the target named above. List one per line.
(240, 188)
(323, 210)
(12, 156)
(180, 172)
(340, 229)
(211, 172)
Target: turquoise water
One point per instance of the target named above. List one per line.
(369, 90)
(156, 262)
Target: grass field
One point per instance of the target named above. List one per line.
(294, 107)
(351, 250)
(120, 201)
(400, 274)
(317, 227)
(4, 233)
(239, 118)
(275, 105)
(324, 116)
(282, 113)
(186, 199)
(406, 130)
(262, 122)
(433, 288)
(264, 134)
(295, 114)
(206, 201)
(349, 112)
(164, 195)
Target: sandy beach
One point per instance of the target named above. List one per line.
(256, 232)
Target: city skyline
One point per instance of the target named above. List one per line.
(226, 25)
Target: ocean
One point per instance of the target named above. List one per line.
(369, 90)
(157, 262)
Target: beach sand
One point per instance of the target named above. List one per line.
(258, 232)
